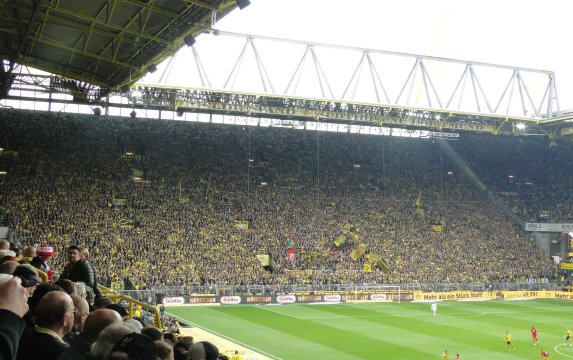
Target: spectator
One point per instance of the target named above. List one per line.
(94, 324)
(164, 350)
(153, 333)
(13, 306)
(134, 346)
(78, 269)
(8, 267)
(67, 285)
(120, 309)
(54, 318)
(28, 254)
(102, 302)
(203, 350)
(44, 259)
(106, 340)
(81, 311)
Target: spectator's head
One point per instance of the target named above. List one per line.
(81, 311)
(8, 267)
(29, 252)
(4, 244)
(46, 252)
(98, 320)
(171, 337)
(182, 346)
(81, 289)
(39, 293)
(7, 255)
(67, 285)
(133, 324)
(101, 348)
(154, 333)
(164, 350)
(134, 346)
(74, 254)
(84, 252)
(121, 310)
(203, 350)
(55, 311)
(29, 276)
(102, 302)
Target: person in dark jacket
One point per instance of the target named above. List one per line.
(13, 306)
(54, 318)
(93, 326)
(78, 269)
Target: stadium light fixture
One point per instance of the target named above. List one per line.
(189, 40)
(152, 68)
(520, 126)
(243, 3)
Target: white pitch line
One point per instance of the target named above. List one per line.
(226, 337)
(268, 308)
(556, 348)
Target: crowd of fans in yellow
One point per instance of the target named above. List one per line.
(161, 202)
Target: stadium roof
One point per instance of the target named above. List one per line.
(109, 43)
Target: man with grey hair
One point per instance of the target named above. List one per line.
(95, 323)
(54, 318)
(81, 289)
(101, 348)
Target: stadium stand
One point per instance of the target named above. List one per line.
(163, 203)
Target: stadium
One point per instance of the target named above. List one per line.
(411, 219)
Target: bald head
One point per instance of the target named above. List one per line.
(29, 252)
(55, 311)
(99, 320)
(4, 244)
(81, 311)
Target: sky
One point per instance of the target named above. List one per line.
(520, 33)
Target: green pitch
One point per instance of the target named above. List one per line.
(390, 330)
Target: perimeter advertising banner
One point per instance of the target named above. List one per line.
(364, 297)
(282, 299)
(455, 295)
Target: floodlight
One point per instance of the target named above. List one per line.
(243, 3)
(152, 68)
(520, 126)
(189, 40)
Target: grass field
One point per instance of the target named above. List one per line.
(390, 330)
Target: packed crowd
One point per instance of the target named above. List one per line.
(54, 320)
(189, 186)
